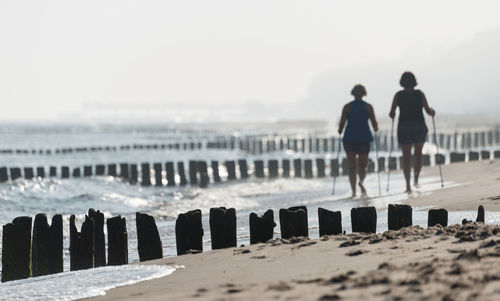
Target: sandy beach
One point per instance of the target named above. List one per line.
(459, 262)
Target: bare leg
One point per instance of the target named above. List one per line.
(418, 162)
(351, 159)
(362, 163)
(407, 164)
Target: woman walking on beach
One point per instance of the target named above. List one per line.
(412, 131)
(357, 136)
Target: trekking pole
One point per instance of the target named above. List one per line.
(338, 157)
(378, 167)
(437, 151)
(390, 153)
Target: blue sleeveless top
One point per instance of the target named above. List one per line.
(357, 123)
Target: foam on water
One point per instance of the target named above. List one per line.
(81, 284)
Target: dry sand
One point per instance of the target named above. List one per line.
(460, 262)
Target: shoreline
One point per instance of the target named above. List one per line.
(307, 268)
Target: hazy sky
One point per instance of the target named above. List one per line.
(71, 57)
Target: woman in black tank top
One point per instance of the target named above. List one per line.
(412, 131)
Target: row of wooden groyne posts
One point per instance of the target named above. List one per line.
(27, 253)
(199, 172)
(273, 143)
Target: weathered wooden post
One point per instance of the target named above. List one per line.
(439, 159)
(158, 176)
(148, 239)
(87, 171)
(100, 170)
(81, 244)
(182, 173)
(393, 165)
(193, 172)
(297, 168)
(189, 232)
(399, 216)
(28, 173)
(76, 172)
(4, 177)
(473, 156)
(203, 174)
(259, 168)
(485, 155)
(308, 168)
(334, 167)
(169, 167)
(261, 227)
(146, 174)
(325, 145)
(53, 171)
(215, 171)
(222, 227)
(437, 216)
(273, 168)
(293, 222)
(242, 163)
(112, 170)
(117, 240)
(99, 239)
(124, 171)
(65, 172)
(134, 174)
(330, 222)
(286, 168)
(15, 173)
(381, 164)
(364, 219)
(457, 157)
(231, 170)
(47, 246)
(345, 167)
(16, 249)
(320, 166)
(480, 214)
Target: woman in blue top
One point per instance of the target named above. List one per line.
(412, 131)
(357, 136)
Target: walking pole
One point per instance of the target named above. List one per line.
(437, 151)
(338, 157)
(390, 153)
(378, 167)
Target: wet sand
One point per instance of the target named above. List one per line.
(459, 262)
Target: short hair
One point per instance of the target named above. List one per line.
(358, 90)
(408, 80)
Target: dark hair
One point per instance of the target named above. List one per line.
(408, 80)
(358, 90)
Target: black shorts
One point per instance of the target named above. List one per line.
(412, 132)
(359, 147)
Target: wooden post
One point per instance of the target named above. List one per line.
(40, 172)
(193, 172)
(426, 160)
(28, 173)
(15, 173)
(65, 172)
(330, 222)
(158, 177)
(87, 171)
(393, 165)
(169, 167)
(47, 252)
(189, 232)
(100, 170)
(99, 239)
(81, 245)
(437, 216)
(242, 163)
(457, 157)
(148, 239)
(381, 164)
(286, 168)
(53, 171)
(439, 159)
(297, 167)
(112, 170)
(261, 227)
(146, 174)
(117, 240)
(223, 227)
(480, 214)
(485, 155)
(364, 219)
(345, 167)
(259, 168)
(124, 171)
(4, 177)
(334, 168)
(399, 216)
(76, 172)
(134, 174)
(308, 168)
(203, 174)
(182, 174)
(273, 168)
(231, 171)
(16, 249)
(473, 156)
(293, 222)
(320, 166)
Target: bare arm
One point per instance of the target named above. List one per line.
(343, 118)
(372, 117)
(428, 109)
(392, 113)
